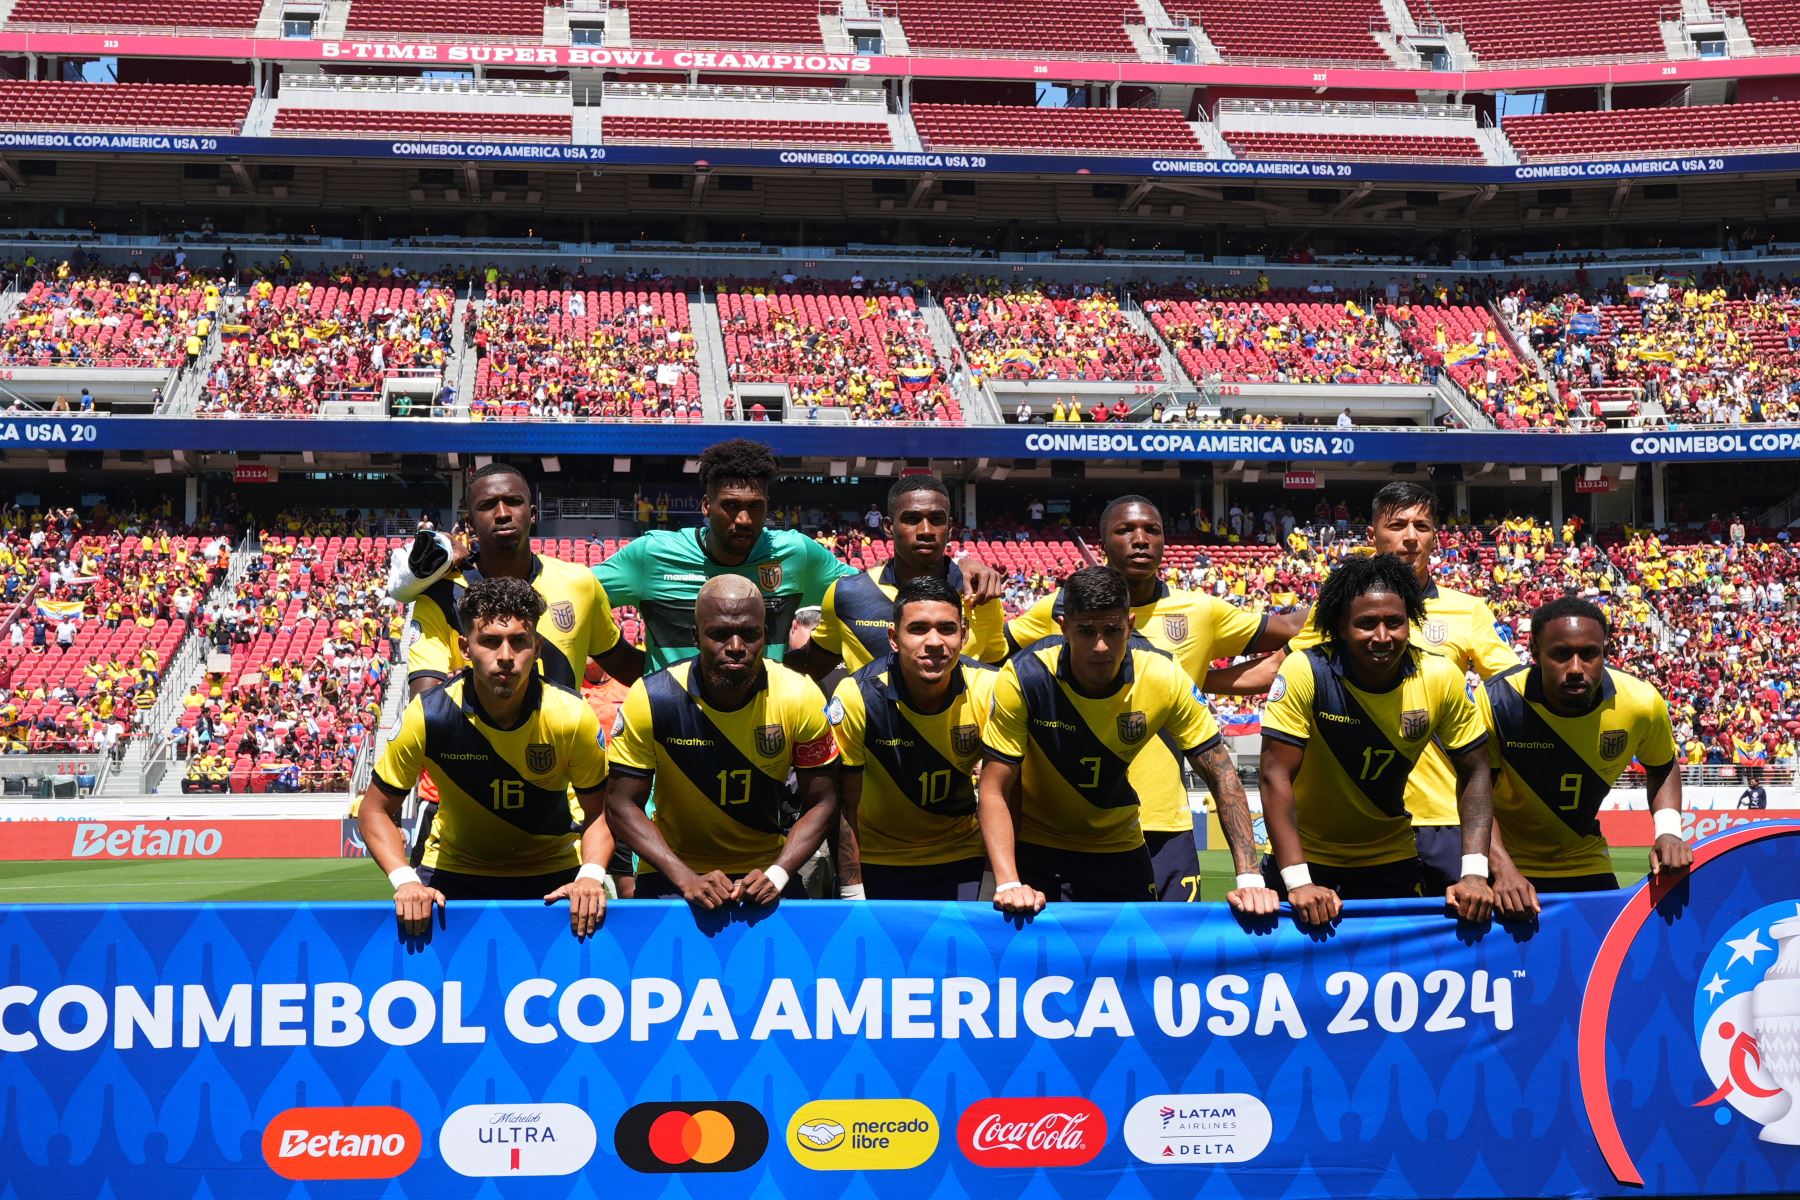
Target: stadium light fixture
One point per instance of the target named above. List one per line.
(1252, 474)
(1549, 474)
(1000, 473)
(840, 467)
(621, 466)
(1592, 473)
(1515, 474)
(163, 466)
(482, 460)
(1627, 472)
(551, 463)
(690, 466)
(59, 465)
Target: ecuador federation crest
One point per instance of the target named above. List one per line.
(1436, 631)
(1175, 627)
(768, 575)
(1132, 727)
(540, 757)
(562, 615)
(1415, 723)
(1612, 743)
(965, 738)
(770, 739)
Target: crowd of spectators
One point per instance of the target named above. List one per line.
(1279, 337)
(1048, 331)
(93, 316)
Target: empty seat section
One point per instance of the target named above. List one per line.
(1772, 23)
(118, 15)
(1103, 130)
(199, 106)
(782, 133)
(1304, 30)
(489, 18)
(354, 121)
(766, 22)
(1502, 30)
(1095, 28)
(1265, 144)
(1655, 130)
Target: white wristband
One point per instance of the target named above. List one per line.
(1296, 876)
(1251, 879)
(776, 876)
(401, 876)
(591, 871)
(851, 891)
(1006, 887)
(1474, 864)
(1667, 822)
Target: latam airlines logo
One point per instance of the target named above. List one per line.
(1747, 1022)
(1207, 1128)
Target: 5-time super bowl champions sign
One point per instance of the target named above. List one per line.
(1646, 1042)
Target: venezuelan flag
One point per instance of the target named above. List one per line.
(915, 377)
(1240, 724)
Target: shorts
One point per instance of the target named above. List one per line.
(1383, 881)
(654, 885)
(1440, 849)
(459, 886)
(1174, 863)
(959, 880)
(1597, 882)
(1121, 876)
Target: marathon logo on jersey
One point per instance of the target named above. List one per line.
(1436, 631)
(1612, 743)
(485, 1141)
(540, 757)
(1044, 1131)
(695, 1136)
(964, 739)
(770, 740)
(562, 615)
(1132, 727)
(368, 1142)
(769, 575)
(1198, 1128)
(1415, 723)
(1175, 627)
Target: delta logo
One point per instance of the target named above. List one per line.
(1204, 1128)
(1045, 1131)
(1744, 1073)
(370, 1142)
(862, 1135)
(487, 1141)
(698, 1136)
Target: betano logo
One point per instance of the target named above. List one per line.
(701, 1136)
(1213, 1127)
(488, 1140)
(862, 1135)
(371, 1142)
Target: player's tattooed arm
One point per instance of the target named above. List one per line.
(849, 848)
(1216, 767)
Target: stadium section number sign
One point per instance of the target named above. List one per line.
(1632, 1041)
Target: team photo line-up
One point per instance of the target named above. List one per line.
(783, 701)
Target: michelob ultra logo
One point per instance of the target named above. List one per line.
(862, 1135)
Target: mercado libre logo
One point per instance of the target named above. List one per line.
(1747, 1022)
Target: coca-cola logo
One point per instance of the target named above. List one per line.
(1041, 1131)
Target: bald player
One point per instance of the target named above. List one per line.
(719, 734)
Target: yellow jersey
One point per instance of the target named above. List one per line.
(577, 623)
(1552, 771)
(720, 773)
(1359, 782)
(1192, 628)
(858, 610)
(918, 794)
(1077, 749)
(503, 794)
(1460, 627)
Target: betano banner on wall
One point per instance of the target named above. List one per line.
(1624, 1043)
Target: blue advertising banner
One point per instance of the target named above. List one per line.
(431, 149)
(1146, 444)
(1631, 1043)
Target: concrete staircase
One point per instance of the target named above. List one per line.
(709, 356)
(125, 779)
(1173, 375)
(268, 20)
(331, 26)
(556, 26)
(260, 122)
(1495, 148)
(903, 133)
(1212, 139)
(462, 358)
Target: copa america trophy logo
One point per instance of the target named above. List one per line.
(1747, 1022)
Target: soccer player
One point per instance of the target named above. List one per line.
(1193, 629)
(1562, 730)
(909, 728)
(1345, 727)
(719, 734)
(859, 609)
(505, 747)
(1403, 521)
(660, 572)
(1068, 717)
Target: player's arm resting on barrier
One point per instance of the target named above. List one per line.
(1471, 896)
(626, 796)
(997, 794)
(1280, 763)
(849, 725)
(586, 893)
(819, 801)
(1670, 855)
(1513, 894)
(1216, 767)
(377, 819)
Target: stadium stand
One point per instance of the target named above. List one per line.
(41, 104)
(1042, 28)
(1773, 24)
(124, 15)
(767, 23)
(1557, 30)
(1352, 147)
(1289, 30)
(358, 122)
(467, 18)
(868, 354)
(105, 319)
(1464, 341)
(703, 130)
(609, 352)
(1044, 331)
(313, 341)
(1281, 338)
(1100, 130)
(1712, 128)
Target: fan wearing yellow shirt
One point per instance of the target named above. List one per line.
(1562, 731)
(858, 610)
(1058, 807)
(718, 734)
(505, 748)
(1192, 628)
(1346, 725)
(909, 728)
(1404, 522)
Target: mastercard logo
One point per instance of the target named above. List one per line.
(697, 1136)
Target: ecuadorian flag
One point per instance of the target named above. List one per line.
(58, 610)
(1022, 356)
(1748, 753)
